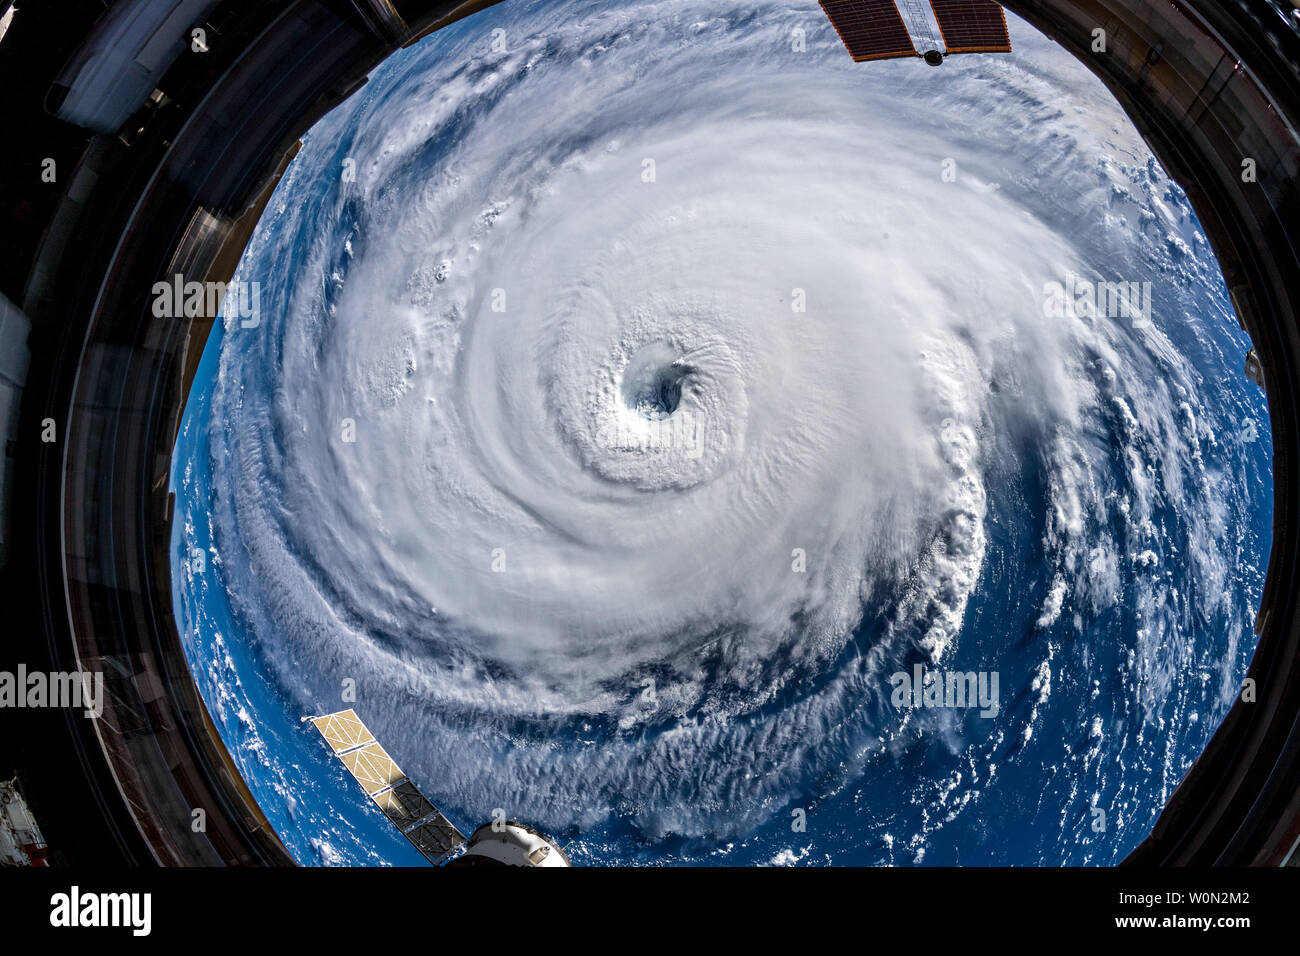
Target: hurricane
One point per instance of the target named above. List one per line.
(639, 388)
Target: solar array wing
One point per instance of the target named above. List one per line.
(435, 837)
(972, 26)
(343, 731)
(372, 767)
(405, 806)
(870, 29)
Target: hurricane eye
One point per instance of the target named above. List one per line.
(653, 381)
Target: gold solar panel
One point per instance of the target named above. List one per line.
(372, 767)
(972, 26)
(870, 29)
(343, 731)
(405, 806)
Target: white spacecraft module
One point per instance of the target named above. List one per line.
(501, 842)
(21, 843)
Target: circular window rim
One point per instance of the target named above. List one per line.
(1199, 81)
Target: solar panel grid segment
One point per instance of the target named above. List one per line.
(343, 731)
(435, 838)
(403, 804)
(372, 767)
(870, 29)
(972, 26)
(409, 810)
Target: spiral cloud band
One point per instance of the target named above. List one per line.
(635, 392)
